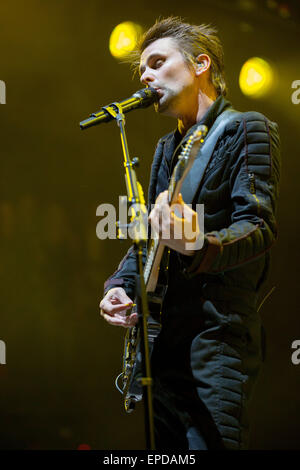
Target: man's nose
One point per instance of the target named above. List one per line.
(146, 78)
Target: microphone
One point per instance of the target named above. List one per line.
(140, 99)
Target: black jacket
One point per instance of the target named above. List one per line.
(239, 192)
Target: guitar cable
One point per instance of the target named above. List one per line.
(117, 385)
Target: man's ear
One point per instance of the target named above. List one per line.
(202, 63)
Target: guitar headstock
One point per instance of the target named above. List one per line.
(186, 160)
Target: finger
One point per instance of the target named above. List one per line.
(183, 211)
(118, 320)
(188, 212)
(121, 305)
(123, 298)
(177, 210)
(116, 297)
(161, 197)
(166, 222)
(151, 215)
(119, 297)
(165, 197)
(111, 309)
(165, 209)
(154, 229)
(154, 221)
(131, 319)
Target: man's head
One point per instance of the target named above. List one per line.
(164, 68)
(189, 49)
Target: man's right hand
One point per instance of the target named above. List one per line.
(113, 308)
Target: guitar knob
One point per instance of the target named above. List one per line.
(135, 162)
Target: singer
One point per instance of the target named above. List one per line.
(207, 356)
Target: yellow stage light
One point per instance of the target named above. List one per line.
(124, 38)
(256, 77)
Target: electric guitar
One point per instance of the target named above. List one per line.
(132, 364)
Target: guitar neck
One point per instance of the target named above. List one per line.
(185, 161)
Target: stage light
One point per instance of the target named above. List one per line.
(284, 10)
(124, 38)
(84, 447)
(256, 77)
(272, 4)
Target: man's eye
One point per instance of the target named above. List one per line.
(158, 63)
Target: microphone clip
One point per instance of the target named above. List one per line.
(110, 109)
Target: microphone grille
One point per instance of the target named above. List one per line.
(147, 95)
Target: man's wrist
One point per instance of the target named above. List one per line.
(189, 253)
(191, 262)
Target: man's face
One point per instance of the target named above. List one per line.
(163, 67)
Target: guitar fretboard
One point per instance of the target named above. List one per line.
(150, 258)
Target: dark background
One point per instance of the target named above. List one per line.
(57, 388)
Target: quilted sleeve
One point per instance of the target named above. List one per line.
(254, 186)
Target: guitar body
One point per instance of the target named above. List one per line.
(132, 360)
(155, 277)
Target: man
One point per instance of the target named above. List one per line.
(207, 356)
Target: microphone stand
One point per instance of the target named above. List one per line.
(140, 231)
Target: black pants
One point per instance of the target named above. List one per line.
(203, 377)
(182, 424)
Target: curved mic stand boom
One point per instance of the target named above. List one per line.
(139, 230)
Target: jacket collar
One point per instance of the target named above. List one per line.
(217, 108)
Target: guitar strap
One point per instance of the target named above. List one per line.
(194, 178)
